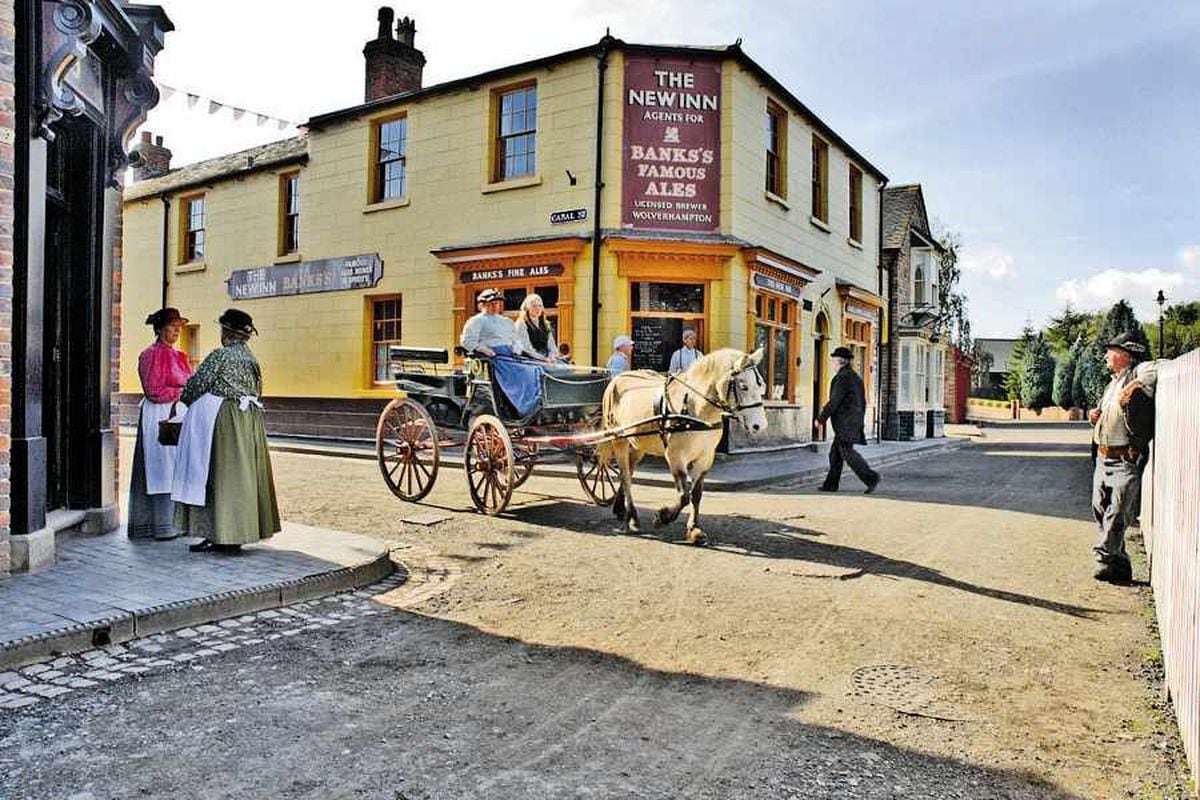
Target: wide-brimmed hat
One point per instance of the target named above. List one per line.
(237, 321)
(165, 316)
(1131, 343)
(488, 295)
(621, 341)
(843, 352)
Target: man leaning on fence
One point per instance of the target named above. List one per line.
(1123, 426)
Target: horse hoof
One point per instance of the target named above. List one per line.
(697, 537)
(633, 526)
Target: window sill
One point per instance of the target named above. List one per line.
(855, 243)
(288, 258)
(820, 223)
(777, 200)
(515, 183)
(191, 266)
(384, 205)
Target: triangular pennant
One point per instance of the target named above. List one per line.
(192, 99)
(238, 113)
(167, 92)
(262, 119)
(214, 106)
(282, 123)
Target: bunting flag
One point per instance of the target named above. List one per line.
(217, 106)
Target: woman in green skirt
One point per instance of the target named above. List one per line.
(224, 491)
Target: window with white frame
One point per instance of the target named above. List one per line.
(920, 386)
(940, 386)
(921, 266)
(905, 375)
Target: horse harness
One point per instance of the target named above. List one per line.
(662, 406)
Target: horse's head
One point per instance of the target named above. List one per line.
(745, 391)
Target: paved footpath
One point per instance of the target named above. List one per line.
(107, 589)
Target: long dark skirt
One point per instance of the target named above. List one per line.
(150, 515)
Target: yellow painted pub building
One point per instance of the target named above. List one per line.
(723, 204)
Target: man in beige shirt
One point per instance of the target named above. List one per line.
(1122, 428)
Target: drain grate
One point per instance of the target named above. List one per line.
(907, 689)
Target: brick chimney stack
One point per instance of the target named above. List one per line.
(394, 65)
(151, 159)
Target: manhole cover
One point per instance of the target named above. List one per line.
(907, 689)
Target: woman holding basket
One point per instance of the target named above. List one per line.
(163, 371)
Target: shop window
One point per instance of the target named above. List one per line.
(820, 179)
(194, 222)
(516, 133)
(515, 295)
(385, 332)
(857, 336)
(391, 160)
(776, 150)
(773, 333)
(856, 201)
(659, 312)
(289, 210)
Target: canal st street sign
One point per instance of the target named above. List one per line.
(570, 215)
(511, 273)
(304, 277)
(671, 167)
(776, 285)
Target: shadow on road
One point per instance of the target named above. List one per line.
(405, 705)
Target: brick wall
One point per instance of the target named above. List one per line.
(7, 126)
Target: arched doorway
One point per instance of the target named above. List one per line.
(820, 360)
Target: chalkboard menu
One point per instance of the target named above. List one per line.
(654, 340)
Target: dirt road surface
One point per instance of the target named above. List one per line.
(942, 638)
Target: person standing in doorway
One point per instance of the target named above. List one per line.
(163, 371)
(685, 356)
(1123, 426)
(846, 407)
(622, 357)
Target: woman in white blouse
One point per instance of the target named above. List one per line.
(534, 336)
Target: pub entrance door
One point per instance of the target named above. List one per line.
(70, 379)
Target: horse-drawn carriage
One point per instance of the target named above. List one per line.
(447, 407)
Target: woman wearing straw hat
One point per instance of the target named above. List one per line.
(224, 490)
(163, 371)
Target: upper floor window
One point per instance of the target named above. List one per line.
(289, 208)
(776, 150)
(516, 133)
(856, 202)
(193, 229)
(820, 179)
(924, 277)
(391, 162)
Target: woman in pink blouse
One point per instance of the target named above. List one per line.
(163, 371)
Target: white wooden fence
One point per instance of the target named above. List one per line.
(1171, 526)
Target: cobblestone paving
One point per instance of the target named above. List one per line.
(186, 648)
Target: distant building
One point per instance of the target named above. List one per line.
(1001, 351)
(914, 360)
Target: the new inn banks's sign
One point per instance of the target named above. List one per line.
(303, 277)
(671, 178)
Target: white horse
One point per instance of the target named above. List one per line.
(721, 384)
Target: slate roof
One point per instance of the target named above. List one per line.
(1001, 350)
(222, 168)
(903, 209)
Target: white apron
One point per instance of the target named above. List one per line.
(158, 460)
(195, 451)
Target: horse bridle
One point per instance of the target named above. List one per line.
(731, 390)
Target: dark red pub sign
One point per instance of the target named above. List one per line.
(671, 173)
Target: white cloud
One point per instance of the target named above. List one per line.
(1190, 256)
(1105, 288)
(990, 263)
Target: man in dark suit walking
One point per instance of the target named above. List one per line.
(846, 407)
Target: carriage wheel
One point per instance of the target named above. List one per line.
(488, 460)
(406, 445)
(599, 481)
(524, 459)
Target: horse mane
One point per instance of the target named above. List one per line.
(713, 369)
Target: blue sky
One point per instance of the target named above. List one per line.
(1058, 139)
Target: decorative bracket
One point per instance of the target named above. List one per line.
(68, 27)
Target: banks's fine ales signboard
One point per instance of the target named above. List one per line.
(671, 177)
